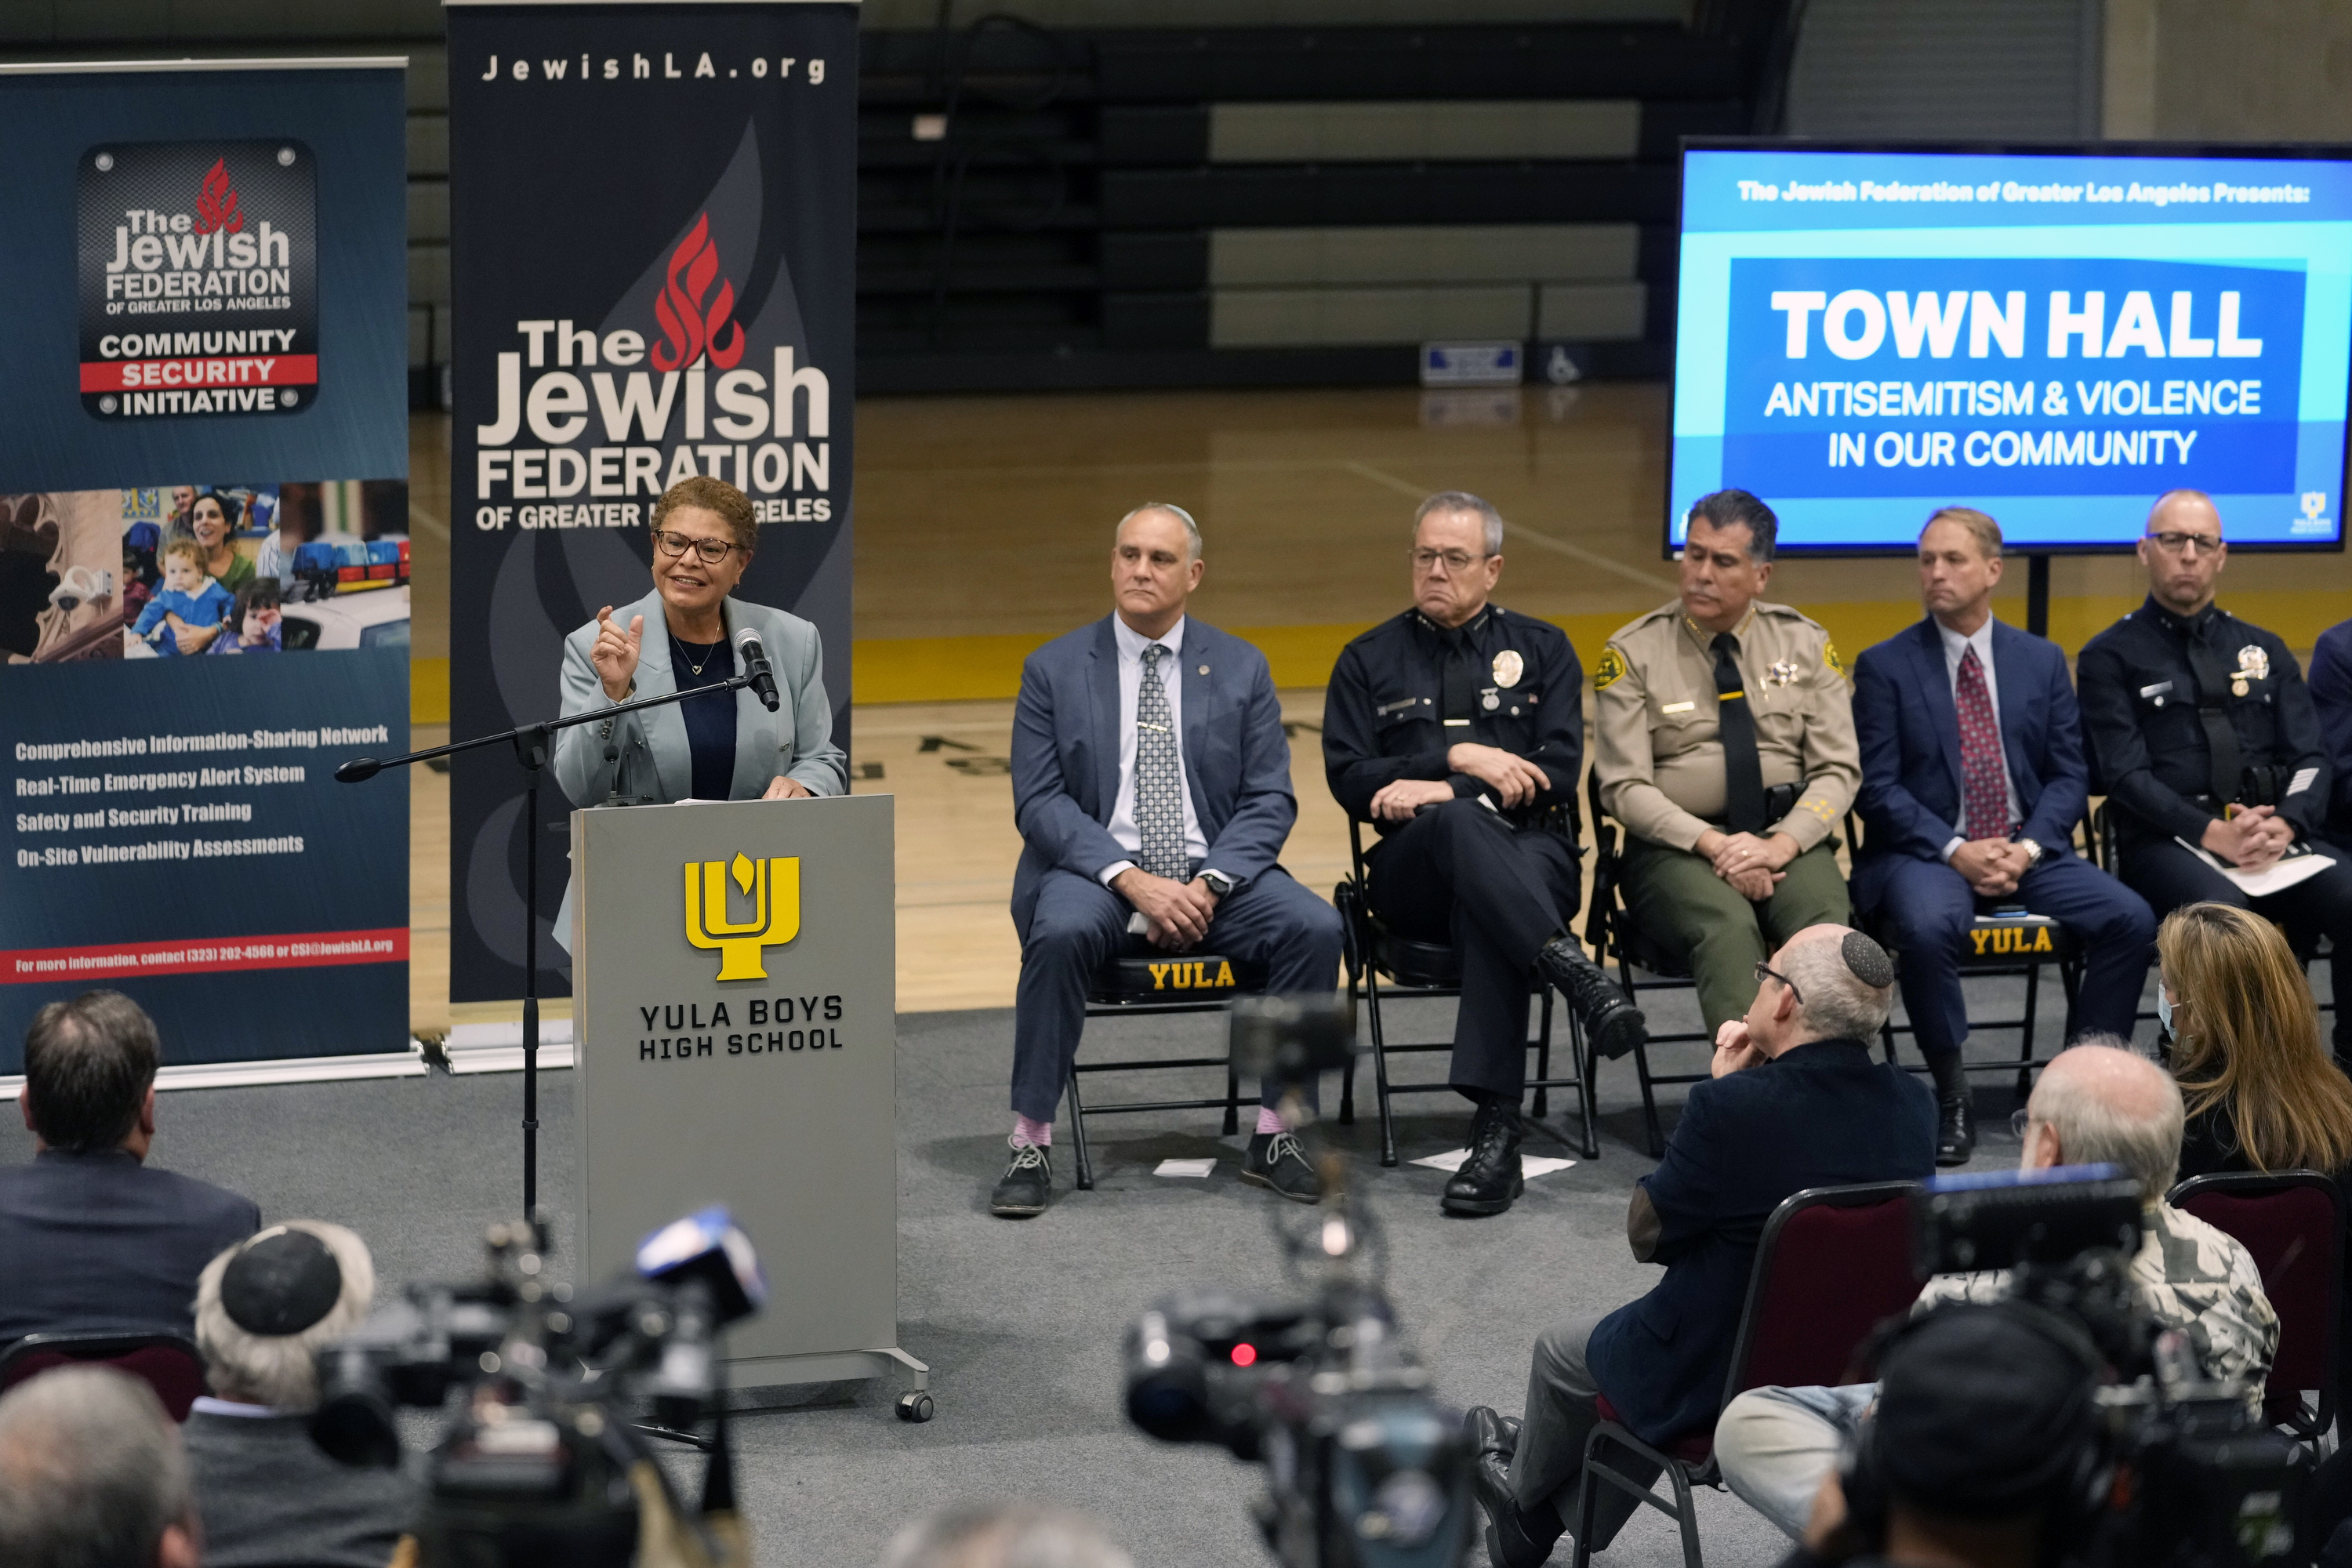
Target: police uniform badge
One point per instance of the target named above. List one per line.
(1783, 672)
(1610, 671)
(1508, 668)
(1829, 655)
(2253, 663)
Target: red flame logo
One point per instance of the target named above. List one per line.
(216, 203)
(692, 331)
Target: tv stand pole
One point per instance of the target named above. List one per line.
(2037, 593)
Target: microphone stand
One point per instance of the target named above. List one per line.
(531, 749)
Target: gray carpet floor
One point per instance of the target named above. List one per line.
(1021, 1320)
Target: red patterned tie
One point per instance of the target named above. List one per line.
(1984, 768)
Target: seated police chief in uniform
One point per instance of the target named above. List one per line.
(2331, 698)
(1152, 784)
(680, 637)
(1795, 1102)
(1457, 729)
(2203, 733)
(1972, 781)
(1723, 739)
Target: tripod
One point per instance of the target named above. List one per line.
(530, 748)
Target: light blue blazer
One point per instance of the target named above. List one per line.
(651, 755)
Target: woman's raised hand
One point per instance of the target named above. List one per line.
(615, 653)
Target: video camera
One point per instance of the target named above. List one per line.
(2188, 1475)
(538, 1463)
(1364, 1469)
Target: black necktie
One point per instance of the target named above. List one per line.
(2212, 668)
(1743, 770)
(1457, 679)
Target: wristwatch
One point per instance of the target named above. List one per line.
(2033, 852)
(1219, 883)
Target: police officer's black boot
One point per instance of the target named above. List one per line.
(1489, 1180)
(1956, 1120)
(1615, 1024)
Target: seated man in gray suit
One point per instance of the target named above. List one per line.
(1151, 783)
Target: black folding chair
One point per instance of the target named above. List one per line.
(168, 1364)
(1613, 935)
(2006, 942)
(1382, 966)
(1157, 984)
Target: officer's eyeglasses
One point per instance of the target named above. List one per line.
(1453, 560)
(2172, 542)
(710, 551)
(1766, 972)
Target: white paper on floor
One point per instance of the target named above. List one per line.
(1529, 1165)
(1184, 1167)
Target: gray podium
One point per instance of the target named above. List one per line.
(734, 988)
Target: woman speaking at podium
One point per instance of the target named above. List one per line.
(681, 635)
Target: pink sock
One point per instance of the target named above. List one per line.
(1269, 1119)
(1037, 1134)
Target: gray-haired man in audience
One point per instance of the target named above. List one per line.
(92, 1475)
(2097, 1103)
(265, 1309)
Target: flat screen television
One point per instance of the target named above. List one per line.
(2054, 336)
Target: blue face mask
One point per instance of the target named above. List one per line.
(2164, 1010)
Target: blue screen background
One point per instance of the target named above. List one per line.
(2223, 339)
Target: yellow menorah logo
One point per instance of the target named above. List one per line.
(774, 890)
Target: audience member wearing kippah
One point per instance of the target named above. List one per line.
(92, 1236)
(1795, 1102)
(92, 1475)
(269, 1497)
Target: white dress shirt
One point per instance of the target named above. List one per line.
(1132, 644)
(1955, 647)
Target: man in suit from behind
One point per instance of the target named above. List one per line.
(1794, 1101)
(1152, 784)
(2330, 680)
(94, 1238)
(1973, 778)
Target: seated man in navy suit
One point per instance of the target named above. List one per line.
(91, 1237)
(1795, 1102)
(2330, 680)
(1972, 780)
(1151, 783)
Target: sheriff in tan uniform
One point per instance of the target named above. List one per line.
(1724, 743)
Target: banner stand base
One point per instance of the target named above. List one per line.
(409, 1063)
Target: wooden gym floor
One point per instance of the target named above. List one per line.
(983, 527)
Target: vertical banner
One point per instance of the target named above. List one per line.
(204, 550)
(653, 252)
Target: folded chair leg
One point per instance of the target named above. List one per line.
(1588, 1065)
(1543, 1057)
(2025, 1030)
(1233, 1102)
(1081, 1163)
(1380, 1066)
(1347, 1094)
(1649, 1101)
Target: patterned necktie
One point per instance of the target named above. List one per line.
(1159, 804)
(1743, 767)
(1984, 767)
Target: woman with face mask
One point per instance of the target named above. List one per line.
(2245, 1044)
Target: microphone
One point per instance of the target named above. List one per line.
(755, 664)
(358, 769)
